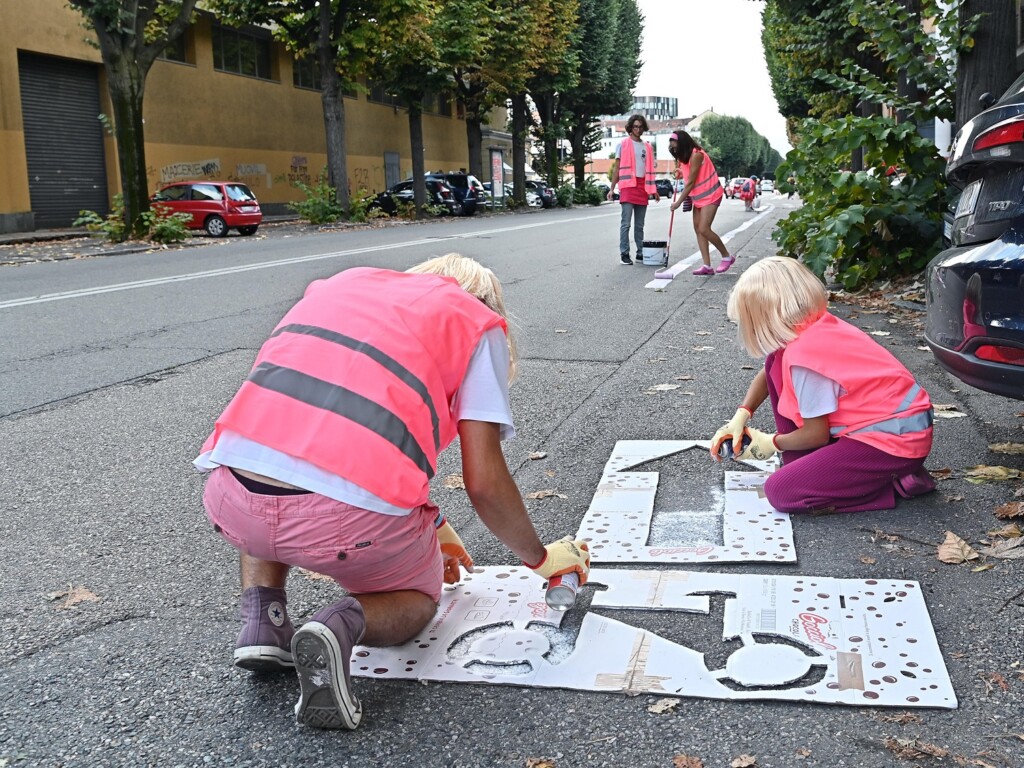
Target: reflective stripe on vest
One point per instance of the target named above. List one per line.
(707, 184)
(628, 173)
(344, 402)
(897, 425)
(399, 370)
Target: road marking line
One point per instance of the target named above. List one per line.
(663, 277)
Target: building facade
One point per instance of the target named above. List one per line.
(222, 103)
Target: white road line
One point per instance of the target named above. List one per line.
(663, 277)
(82, 292)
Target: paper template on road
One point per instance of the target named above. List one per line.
(618, 523)
(802, 638)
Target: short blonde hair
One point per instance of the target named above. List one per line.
(479, 281)
(772, 300)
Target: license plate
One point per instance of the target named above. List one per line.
(968, 199)
(947, 230)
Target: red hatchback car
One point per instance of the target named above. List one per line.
(215, 206)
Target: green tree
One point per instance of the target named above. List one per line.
(130, 36)
(733, 143)
(344, 37)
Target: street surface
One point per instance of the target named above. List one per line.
(113, 369)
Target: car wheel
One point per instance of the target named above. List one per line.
(216, 226)
(248, 230)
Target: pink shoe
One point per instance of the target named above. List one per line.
(704, 270)
(726, 263)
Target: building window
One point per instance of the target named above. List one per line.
(306, 74)
(176, 51)
(379, 95)
(437, 104)
(241, 52)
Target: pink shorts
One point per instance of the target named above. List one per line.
(363, 551)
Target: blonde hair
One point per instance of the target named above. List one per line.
(771, 302)
(478, 281)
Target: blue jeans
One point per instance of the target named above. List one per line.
(638, 213)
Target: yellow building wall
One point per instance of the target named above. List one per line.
(204, 123)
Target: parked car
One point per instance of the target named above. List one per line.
(533, 200)
(465, 187)
(732, 189)
(215, 206)
(975, 311)
(543, 191)
(767, 185)
(664, 187)
(438, 194)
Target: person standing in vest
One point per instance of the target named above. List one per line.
(704, 189)
(633, 172)
(323, 461)
(852, 424)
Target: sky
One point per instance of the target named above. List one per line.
(691, 51)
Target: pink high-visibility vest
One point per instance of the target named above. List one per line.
(627, 173)
(359, 376)
(883, 405)
(707, 189)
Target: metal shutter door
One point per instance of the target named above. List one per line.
(60, 103)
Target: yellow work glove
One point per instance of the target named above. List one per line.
(762, 445)
(732, 430)
(453, 552)
(562, 557)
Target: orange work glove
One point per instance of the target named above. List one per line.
(453, 552)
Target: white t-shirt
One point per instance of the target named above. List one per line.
(483, 396)
(816, 395)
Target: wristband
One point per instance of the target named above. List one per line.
(775, 437)
(538, 565)
(440, 520)
(744, 408)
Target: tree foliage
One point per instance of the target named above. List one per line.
(736, 148)
(130, 35)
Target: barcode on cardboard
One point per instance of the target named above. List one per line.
(767, 618)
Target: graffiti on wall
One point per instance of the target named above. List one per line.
(253, 174)
(203, 169)
(298, 172)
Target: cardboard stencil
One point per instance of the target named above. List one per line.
(831, 641)
(618, 524)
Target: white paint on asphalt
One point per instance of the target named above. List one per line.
(81, 292)
(663, 277)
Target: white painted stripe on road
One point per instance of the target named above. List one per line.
(82, 292)
(663, 277)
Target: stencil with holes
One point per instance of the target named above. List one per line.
(620, 525)
(832, 641)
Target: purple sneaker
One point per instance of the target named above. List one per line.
(322, 649)
(915, 483)
(264, 645)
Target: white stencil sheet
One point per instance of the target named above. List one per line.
(821, 640)
(617, 526)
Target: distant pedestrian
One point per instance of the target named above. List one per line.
(633, 172)
(704, 189)
(748, 191)
(852, 424)
(323, 461)
(791, 182)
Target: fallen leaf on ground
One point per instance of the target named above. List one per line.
(955, 550)
(661, 706)
(985, 567)
(1008, 531)
(953, 498)
(314, 576)
(538, 455)
(540, 762)
(550, 472)
(546, 493)
(997, 680)
(1011, 448)
(454, 482)
(941, 474)
(1013, 509)
(925, 349)
(878, 534)
(950, 414)
(743, 761)
(803, 752)
(984, 474)
(686, 761)
(880, 333)
(867, 560)
(662, 388)
(72, 596)
(903, 718)
(1010, 549)
(912, 749)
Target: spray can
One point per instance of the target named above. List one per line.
(725, 449)
(561, 594)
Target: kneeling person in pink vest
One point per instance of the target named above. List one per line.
(851, 423)
(323, 461)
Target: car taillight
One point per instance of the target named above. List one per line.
(446, 194)
(1007, 133)
(1000, 354)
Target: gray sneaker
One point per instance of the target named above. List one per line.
(264, 644)
(322, 648)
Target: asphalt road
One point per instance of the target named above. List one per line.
(112, 370)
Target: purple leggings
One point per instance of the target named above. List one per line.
(844, 476)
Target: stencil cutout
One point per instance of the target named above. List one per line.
(832, 641)
(619, 525)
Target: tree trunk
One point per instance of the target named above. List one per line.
(580, 130)
(127, 87)
(475, 143)
(991, 65)
(419, 184)
(334, 109)
(519, 127)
